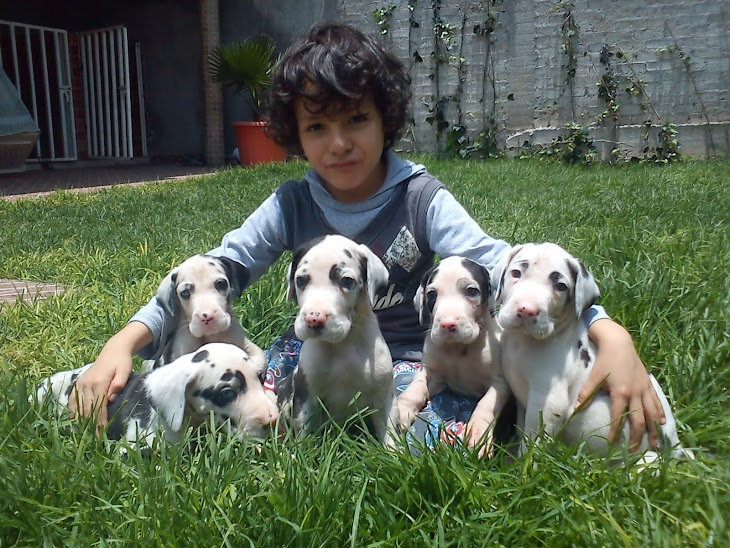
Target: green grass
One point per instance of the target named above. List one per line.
(655, 238)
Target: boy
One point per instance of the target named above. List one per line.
(341, 100)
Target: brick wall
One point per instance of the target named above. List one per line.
(507, 68)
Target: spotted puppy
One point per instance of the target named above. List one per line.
(220, 378)
(198, 295)
(547, 356)
(344, 361)
(461, 343)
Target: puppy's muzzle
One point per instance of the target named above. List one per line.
(316, 321)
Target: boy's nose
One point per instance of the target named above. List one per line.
(341, 142)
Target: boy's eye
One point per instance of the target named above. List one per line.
(313, 128)
(358, 118)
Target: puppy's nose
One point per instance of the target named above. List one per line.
(527, 310)
(268, 417)
(207, 316)
(449, 324)
(315, 320)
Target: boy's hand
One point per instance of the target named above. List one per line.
(98, 386)
(619, 371)
(101, 383)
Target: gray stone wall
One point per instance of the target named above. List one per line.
(521, 70)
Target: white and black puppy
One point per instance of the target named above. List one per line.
(198, 295)
(345, 362)
(461, 343)
(547, 356)
(220, 378)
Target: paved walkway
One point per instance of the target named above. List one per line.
(40, 182)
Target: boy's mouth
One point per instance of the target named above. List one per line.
(343, 164)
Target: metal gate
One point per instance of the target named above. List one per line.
(36, 60)
(107, 92)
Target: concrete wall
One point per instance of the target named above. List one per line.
(515, 75)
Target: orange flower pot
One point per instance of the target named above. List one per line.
(254, 146)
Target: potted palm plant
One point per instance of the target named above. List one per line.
(247, 66)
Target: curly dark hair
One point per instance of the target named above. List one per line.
(344, 65)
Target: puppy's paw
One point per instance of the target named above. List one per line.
(480, 434)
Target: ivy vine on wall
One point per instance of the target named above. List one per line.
(461, 128)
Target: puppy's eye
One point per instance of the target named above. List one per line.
(472, 292)
(185, 294)
(516, 274)
(224, 396)
(221, 285)
(560, 286)
(301, 281)
(348, 283)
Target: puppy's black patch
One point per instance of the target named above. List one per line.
(71, 385)
(480, 275)
(132, 402)
(200, 356)
(586, 357)
(237, 274)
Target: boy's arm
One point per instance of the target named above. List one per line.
(618, 368)
(619, 371)
(108, 375)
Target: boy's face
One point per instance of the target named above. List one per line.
(344, 144)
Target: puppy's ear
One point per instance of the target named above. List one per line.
(291, 293)
(291, 290)
(236, 273)
(167, 387)
(376, 273)
(419, 299)
(167, 295)
(499, 272)
(586, 289)
(418, 302)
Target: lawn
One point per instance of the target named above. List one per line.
(656, 239)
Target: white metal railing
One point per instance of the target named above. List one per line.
(36, 59)
(107, 98)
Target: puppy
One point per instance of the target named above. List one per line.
(198, 295)
(547, 356)
(344, 361)
(220, 378)
(461, 342)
